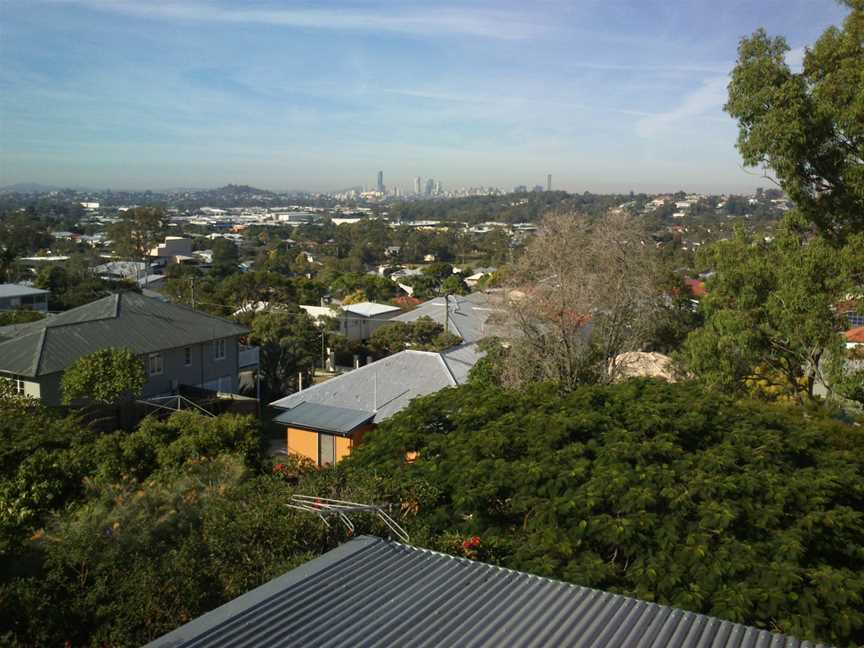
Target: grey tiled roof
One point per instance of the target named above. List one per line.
(128, 320)
(374, 593)
(383, 387)
(326, 418)
(467, 318)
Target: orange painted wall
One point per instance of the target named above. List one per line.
(343, 447)
(303, 442)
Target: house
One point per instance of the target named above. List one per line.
(465, 316)
(179, 346)
(325, 421)
(171, 248)
(393, 594)
(359, 321)
(17, 297)
(478, 275)
(122, 270)
(854, 337)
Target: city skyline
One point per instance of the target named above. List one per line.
(606, 97)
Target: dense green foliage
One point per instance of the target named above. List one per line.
(23, 316)
(289, 344)
(771, 312)
(424, 334)
(116, 539)
(746, 511)
(106, 377)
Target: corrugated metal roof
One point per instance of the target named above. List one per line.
(18, 290)
(375, 593)
(128, 320)
(326, 418)
(385, 386)
(467, 318)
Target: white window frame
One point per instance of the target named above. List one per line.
(219, 349)
(19, 387)
(159, 364)
(187, 356)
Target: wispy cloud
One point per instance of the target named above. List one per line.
(498, 100)
(705, 102)
(436, 20)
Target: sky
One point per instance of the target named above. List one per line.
(605, 95)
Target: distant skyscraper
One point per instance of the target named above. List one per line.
(438, 189)
(548, 182)
(381, 181)
(417, 185)
(430, 186)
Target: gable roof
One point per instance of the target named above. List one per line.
(380, 388)
(370, 309)
(384, 593)
(467, 315)
(126, 319)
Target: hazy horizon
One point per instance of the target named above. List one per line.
(607, 97)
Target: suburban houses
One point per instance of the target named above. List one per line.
(19, 297)
(324, 422)
(178, 346)
(466, 317)
(359, 321)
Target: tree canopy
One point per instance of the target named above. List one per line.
(807, 126)
(107, 376)
(742, 510)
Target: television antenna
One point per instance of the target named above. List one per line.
(326, 508)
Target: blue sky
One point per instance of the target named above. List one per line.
(605, 95)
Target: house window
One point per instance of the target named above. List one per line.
(326, 449)
(16, 384)
(187, 356)
(155, 364)
(218, 349)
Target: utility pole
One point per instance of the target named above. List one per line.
(192, 284)
(446, 313)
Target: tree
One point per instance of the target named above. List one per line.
(747, 511)
(424, 334)
(807, 126)
(107, 376)
(138, 232)
(770, 313)
(582, 293)
(225, 257)
(289, 345)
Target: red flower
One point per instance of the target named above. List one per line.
(471, 543)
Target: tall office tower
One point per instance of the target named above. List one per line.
(438, 189)
(430, 186)
(381, 181)
(548, 182)
(417, 185)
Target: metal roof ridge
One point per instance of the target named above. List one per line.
(447, 368)
(38, 363)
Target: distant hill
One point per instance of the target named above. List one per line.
(29, 187)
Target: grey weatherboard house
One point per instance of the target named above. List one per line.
(372, 592)
(179, 346)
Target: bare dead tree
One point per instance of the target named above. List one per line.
(582, 293)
